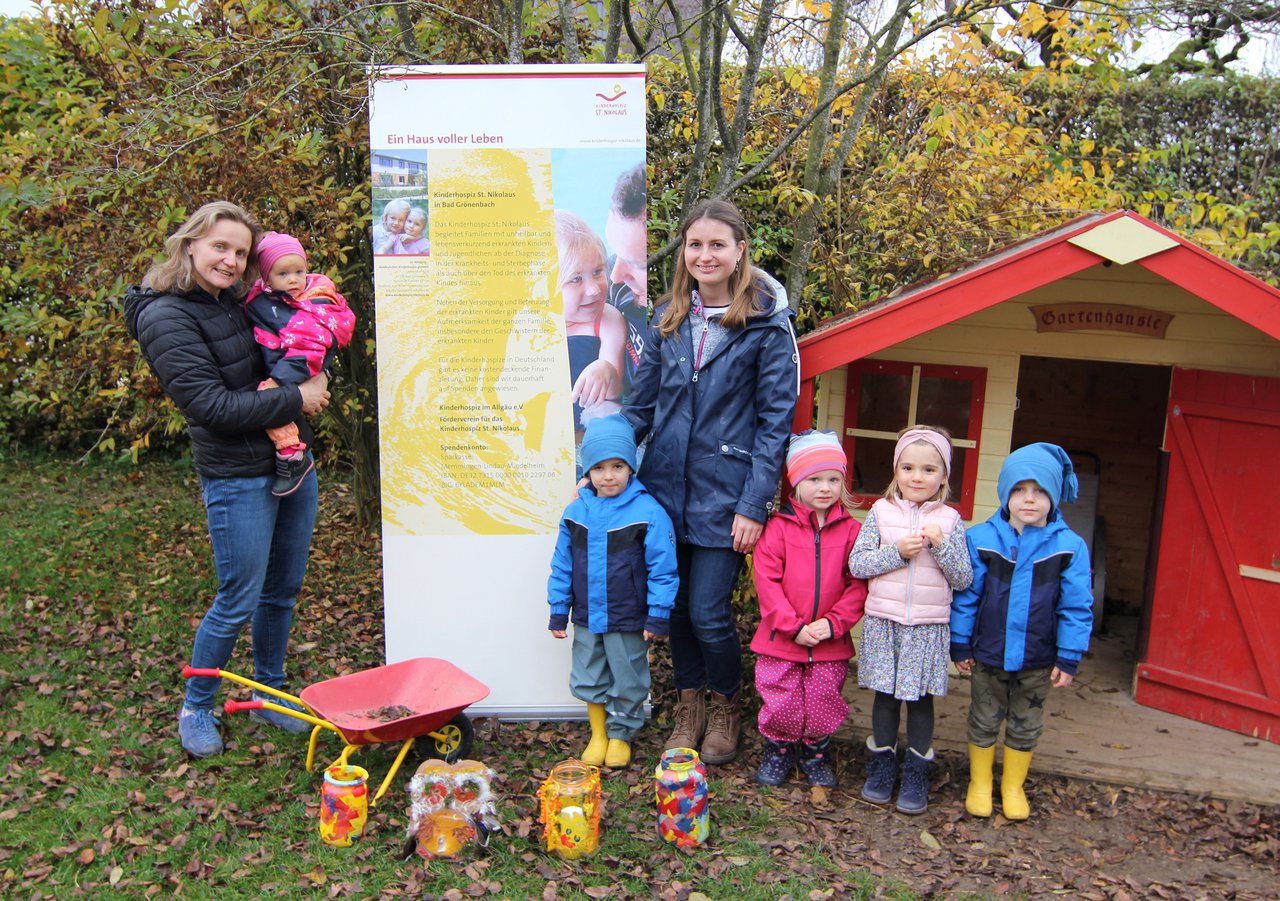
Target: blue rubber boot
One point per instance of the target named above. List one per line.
(882, 770)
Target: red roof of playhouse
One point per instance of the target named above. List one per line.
(1121, 237)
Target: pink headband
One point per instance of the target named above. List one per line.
(934, 439)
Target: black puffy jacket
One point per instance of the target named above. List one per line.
(202, 350)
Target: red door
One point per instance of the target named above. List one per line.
(1213, 649)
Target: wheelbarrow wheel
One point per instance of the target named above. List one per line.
(456, 739)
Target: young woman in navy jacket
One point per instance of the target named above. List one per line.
(714, 395)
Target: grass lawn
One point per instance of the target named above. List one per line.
(106, 572)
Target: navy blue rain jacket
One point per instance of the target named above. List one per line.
(614, 566)
(1030, 605)
(717, 442)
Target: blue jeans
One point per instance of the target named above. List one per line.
(704, 636)
(260, 546)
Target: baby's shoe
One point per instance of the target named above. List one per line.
(816, 763)
(778, 762)
(290, 471)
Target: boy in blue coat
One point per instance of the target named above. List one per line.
(1024, 623)
(613, 572)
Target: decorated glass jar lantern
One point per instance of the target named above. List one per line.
(452, 805)
(344, 805)
(571, 809)
(680, 783)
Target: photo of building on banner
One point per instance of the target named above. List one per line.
(509, 248)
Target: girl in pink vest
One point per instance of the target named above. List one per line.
(912, 549)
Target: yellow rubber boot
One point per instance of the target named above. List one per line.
(978, 799)
(1013, 800)
(618, 754)
(595, 750)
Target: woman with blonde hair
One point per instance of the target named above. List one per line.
(189, 320)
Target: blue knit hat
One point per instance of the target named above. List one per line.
(608, 438)
(1047, 465)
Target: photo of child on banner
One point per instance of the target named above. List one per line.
(602, 281)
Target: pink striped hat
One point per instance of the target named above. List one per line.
(814, 451)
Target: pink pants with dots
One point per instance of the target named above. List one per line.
(802, 701)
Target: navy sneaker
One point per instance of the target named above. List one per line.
(280, 720)
(198, 730)
(777, 763)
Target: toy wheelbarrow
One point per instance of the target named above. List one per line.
(419, 698)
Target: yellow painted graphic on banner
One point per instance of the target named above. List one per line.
(474, 407)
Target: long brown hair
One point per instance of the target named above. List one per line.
(742, 295)
(174, 272)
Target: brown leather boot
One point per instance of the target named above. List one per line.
(724, 723)
(691, 719)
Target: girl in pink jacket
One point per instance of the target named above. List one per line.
(912, 549)
(808, 603)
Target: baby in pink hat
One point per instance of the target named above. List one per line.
(299, 320)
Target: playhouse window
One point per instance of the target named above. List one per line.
(886, 396)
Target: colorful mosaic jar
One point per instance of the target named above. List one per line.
(682, 794)
(344, 805)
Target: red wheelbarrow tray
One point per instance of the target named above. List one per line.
(434, 689)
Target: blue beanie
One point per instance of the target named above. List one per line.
(608, 438)
(1047, 465)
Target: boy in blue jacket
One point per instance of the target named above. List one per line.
(613, 572)
(1024, 623)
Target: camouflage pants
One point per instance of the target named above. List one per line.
(1016, 697)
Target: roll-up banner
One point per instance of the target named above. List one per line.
(494, 191)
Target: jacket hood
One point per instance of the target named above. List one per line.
(775, 297)
(136, 299)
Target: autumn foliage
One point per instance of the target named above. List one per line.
(119, 118)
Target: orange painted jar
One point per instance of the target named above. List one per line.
(570, 809)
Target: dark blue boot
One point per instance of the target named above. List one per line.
(913, 797)
(816, 763)
(882, 768)
(778, 762)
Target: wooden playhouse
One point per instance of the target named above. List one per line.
(1157, 365)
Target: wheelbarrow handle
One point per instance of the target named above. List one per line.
(189, 672)
(241, 706)
(259, 704)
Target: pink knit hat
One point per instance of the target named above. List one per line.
(274, 245)
(814, 451)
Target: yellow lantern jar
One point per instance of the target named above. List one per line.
(571, 809)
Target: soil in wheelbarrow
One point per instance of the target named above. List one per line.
(388, 713)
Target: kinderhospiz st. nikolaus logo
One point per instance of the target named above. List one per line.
(612, 104)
